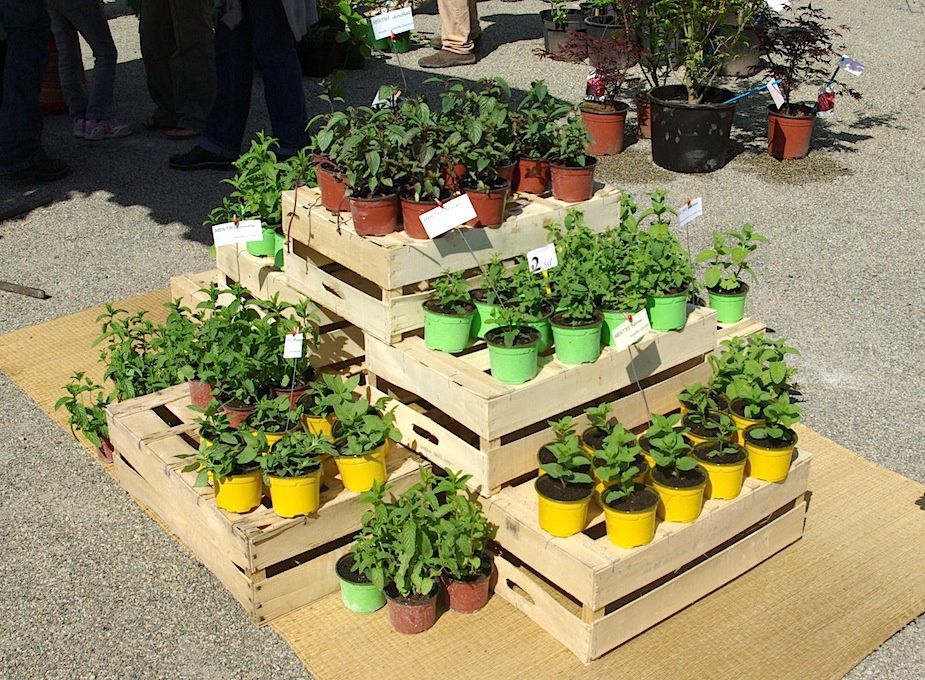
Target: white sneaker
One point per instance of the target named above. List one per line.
(97, 130)
(80, 127)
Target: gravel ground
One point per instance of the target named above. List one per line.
(841, 278)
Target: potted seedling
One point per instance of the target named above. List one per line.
(566, 440)
(513, 346)
(560, 25)
(659, 426)
(535, 130)
(609, 456)
(87, 413)
(629, 506)
(564, 492)
(699, 397)
(530, 293)
(181, 347)
(362, 433)
(448, 314)
(275, 418)
(327, 143)
(425, 184)
(723, 459)
(676, 476)
(662, 271)
(592, 439)
(701, 423)
(727, 263)
(287, 377)
(358, 593)
(293, 470)
(571, 167)
(798, 46)
(770, 443)
(232, 460)
(321, 398)
(463, 536)
(657, 37)
(496, 288)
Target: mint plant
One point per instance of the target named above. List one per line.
(296, 455)
(511, 326)
(497, 285)
(570, 460)
(727, 260)
(463, 532)
(233, 453)
(534, 123)
(327, 392)
(275, 415)
(569, 143)
(662, 266)
(362, 427)
(451, 293)
(616, 465)
(777, 417)
(86, 403)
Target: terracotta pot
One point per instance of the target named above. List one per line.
(411, 212)
(411, 617)
(489, 206)
(293, 394)
(573, 184)
(452, 177)
(605, 129)
(507, 172)
(332, 189)
(790, 136)
(106, 450)
(532, 175)
(375, 216)
(467, 596)
(643, 116)
(236, 414)
(200, 393)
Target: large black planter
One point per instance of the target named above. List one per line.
(555, 34)
(690, 137)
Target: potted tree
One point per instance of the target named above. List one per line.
(723, 459)
(571, 166)
(87, 413)
(293, 470)
(676, 477)
(275, 418)
(629, 506)
(727, 263)
(770, 442)
(512, 346)
(448, 314)
(564, 491)
(534, 128)
(232, 460)
(496, 288)
(362, 433)
(662, 272)
(798, 46)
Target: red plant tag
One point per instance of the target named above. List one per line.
(825, 103)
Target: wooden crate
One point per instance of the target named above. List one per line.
(270, 564)
(593, 596)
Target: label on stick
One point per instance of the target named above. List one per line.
(292, 349)
(776, 94)
(631, 330)
(229, 233)
(392, 23)
(452, 214)
(543, 258)
(778, 5)
(852, 66)
(690, 211)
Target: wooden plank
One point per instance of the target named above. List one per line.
(740, 329)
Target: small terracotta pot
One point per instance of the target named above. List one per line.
(452, 177)
(467, 596)
(294, 394)
(790, 136)
(236, 414)
(106, 450)
(533, 175)
(573, 184)
(643, 116)
(375, 216)
(489, 206)
(332, 189)
(605, 129)
(507, 172)
(200, 393)
(411, 212)
(415, 617)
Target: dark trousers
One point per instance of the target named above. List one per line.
(263, 35)
(27, 33)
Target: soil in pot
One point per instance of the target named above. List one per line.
(533, 175)
(200, 393)
(332, 189)
(790, 131)
(729, 304)
(576, 343)
(411, 212)
(375, 216)
(696, 432)
(643, 116)
(630, 521)
(690, 138)
(447, 331)
(469, 594)
(357, 593)
(605, 125)
(555, 35)
(489, 205)
(413, 614)
(573, 184)
(516, 364)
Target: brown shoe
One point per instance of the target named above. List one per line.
(437, 41)
(43, 170)
(445, 59)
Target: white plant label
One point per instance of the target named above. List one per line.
(543, 258)
(379, 103)
(392, 23)
(452, 214)
(778, 5)
(690, 211)
(230, 233)
(292, 348)
(631, 330)
(775, 93)
(852, 66)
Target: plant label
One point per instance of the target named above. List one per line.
(775, 93)
(690, 211)
(391, 101)
(450, 215)
(392, 23)
(778, 5)
(852, 66)
(543, 258)
(631, 330)
(292, 348)
(230, 233)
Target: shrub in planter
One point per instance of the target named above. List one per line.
(564, 491)
(448, 314)
(656, 38)
(327, 143)
(723, 459)
(232, 461)
(571, 167)
(86, 403)
(293, 470)
(512, 346)
(770, 443)
(798, 46)
(322, 397)
(727, 263)
(629, 506)
(362, 433)
(534, 128)
(676, 477)
(497, 287)
(274, 417)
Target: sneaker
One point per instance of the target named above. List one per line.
(445, 59)
(198, 158)
(97, 130)
(80, 128)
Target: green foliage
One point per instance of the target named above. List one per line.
(535, 122)
(573, 281)
(362, 427)
(529, 291)
(599, 417)
(426, 140)
(275, 415)
(511, 323)
(234, 452)
(297, 454)
(667, 445)
(755, 370)
(497, 283)
(86, 403)
(777, 417)
(728, 258)
(568, 454)
(724, 446)
(662, 266)
(570, 141)
(451, 293)
(214, 424)
(327, 392)
(616, 464)
(462, 531)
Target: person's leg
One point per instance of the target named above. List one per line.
(70, 61)
(88, 18)
(193, 62)
(458, 29)
(275, 51)
(155, 33)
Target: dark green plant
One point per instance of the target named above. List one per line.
(426, 138)
(462, 531)
(662, 265)
(451, 293)
(362, 427)
(296, 455)
(275, 415)
(535, 122)
(327, 392)
(570, 459)
(233, 453)
(86, 403)
(728, 259)
(777, 417)
(570, 142)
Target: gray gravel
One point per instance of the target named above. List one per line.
(95, 588)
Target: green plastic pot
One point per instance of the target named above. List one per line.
(402, 42)
(612, 321)
(545, 330)
(279, 246)
(360, 598)
(446, 332)
(512, 365)
(265, 247)
(577, 344)
(667, 312)
(729, 308)
(483, 312)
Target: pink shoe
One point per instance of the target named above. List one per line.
(80, 128)
(97, 130)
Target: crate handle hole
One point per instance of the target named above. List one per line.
(427, 435)
(513, 587)
(332, 291)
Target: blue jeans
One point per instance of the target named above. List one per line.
(27, 33)
(264, 35)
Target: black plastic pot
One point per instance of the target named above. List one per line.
(690, 137)
(607, 27)
(555, 34)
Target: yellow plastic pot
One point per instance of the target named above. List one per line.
(209, 474)
(769, 465)
(294, 496)
(563, 518)
(724, 480)
(359, 472)
(319, 425)
(239, 493)
(742, 424)
(272, 437)
(630, 529)
(695, 439)
(679, 505)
